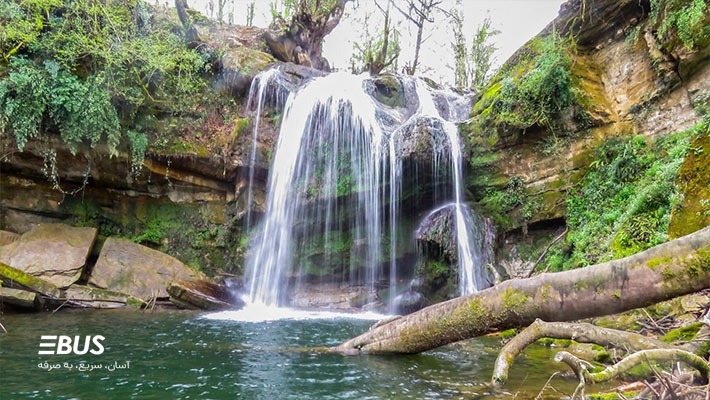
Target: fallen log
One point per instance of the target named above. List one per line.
(579, 332)
(658, 355)
(669, 270)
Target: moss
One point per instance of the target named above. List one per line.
(11, 276)
(389, 91)
(656, 262)
(550, 342)
(508, 334)
(693, 180)
(514, 301)
(683, 334)
(612, 396)
(468, 317)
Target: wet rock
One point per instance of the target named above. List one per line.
(18, 298)
(332, 296)
(53, 252)
(239, 66)
(389, 91)
(438, 230)
(90, 297)
(139, 271)
(437, 239)
(17, 279)
(424, 140)
(409, 302)
(203, 295)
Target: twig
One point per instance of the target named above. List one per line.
(547, 384)
(3, 328)
(544, 253)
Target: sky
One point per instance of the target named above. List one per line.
(518, 21)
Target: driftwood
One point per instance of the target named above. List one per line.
(658, 355)
(672, 269)
(579, 332)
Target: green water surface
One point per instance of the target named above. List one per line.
(182, 355)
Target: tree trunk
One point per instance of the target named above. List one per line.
(413, 68)
(302, 42)
(669, 270)
(191, 36)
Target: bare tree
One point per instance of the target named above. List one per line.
(418, 12)
(379, 52)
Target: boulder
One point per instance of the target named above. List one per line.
(409, 302)
(14, 278)
(55, 253)
(438, 231)
(203, 295)
(18, 298)
(90, 297)
(127, 267)
(424, 140)
(7, 237)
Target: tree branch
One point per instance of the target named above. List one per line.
(579, 332)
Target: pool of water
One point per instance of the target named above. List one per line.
(185, 355)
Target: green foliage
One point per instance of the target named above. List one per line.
(501, 204)
(285, 9)
(536, 89)
(685, 18)
(481, 56)
(623, 204)
(92, 71)
(541, 93)
(79, 108)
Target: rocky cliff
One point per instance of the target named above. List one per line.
(601, 71)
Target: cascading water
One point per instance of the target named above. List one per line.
(336, 181)
(328, 125)
(265, 90)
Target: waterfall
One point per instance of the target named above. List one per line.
(328, 129)
(470, 268)
(335, 184)
(265, 90)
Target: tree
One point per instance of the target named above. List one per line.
(379, 52)
(250, 14)
(461, 62)
(299, 39)
(669, 270)
(419, 12)
(482, 51)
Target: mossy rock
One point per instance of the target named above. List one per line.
(139, 271)
(389, 91)
(694, 181)
(91, 297)
(53, 252)
(683, 334)
(18, 298)
(15, 278)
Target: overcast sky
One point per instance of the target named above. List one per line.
(518, 21)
